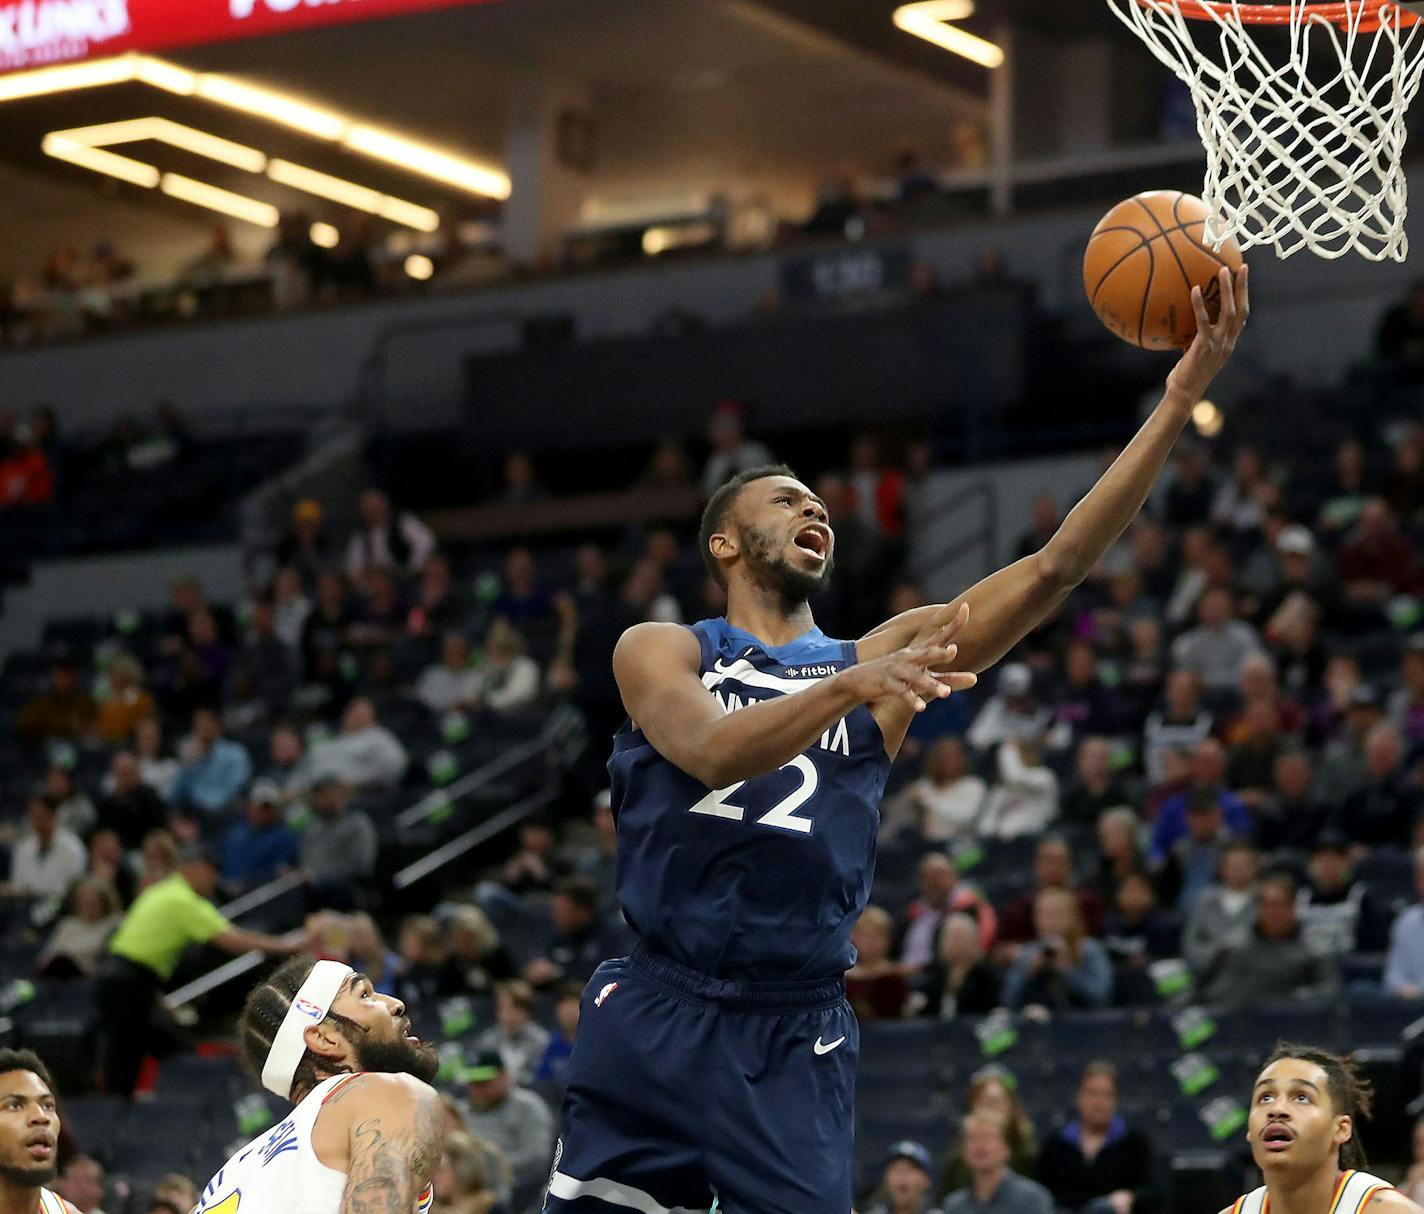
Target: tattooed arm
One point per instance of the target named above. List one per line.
(393, 1140)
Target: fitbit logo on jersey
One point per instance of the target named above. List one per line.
(811, 672)
(47, 29)
(241, 9)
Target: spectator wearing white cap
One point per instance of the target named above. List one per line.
(1299, 568)
(1013, 711)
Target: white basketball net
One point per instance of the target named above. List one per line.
(1303, 148)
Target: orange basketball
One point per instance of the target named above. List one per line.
(1143, 260)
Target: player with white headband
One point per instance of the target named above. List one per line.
(366, 1130)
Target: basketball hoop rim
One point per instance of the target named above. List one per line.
(1336, 12)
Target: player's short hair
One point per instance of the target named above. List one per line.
(25, 1060)
(719, 507)
(264, 1011)
(1350, 1092)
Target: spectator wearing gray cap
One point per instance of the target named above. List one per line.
(1013, 711)
(338, 848)
(262, 846)
(909, 1172)
(994, 1187)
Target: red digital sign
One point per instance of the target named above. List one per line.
(38, 33)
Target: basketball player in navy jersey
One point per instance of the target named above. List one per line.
(714, 1067)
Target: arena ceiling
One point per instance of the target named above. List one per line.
(772, 95)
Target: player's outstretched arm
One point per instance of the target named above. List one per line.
(657, 665)
(394, 1141)
(1010, 603)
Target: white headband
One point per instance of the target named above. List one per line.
(309, 1007)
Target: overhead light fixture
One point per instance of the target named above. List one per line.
(427, 161)
(409, 155)
(323, 185)
(167, 76)
(274, 106)
(135, 172)
(928, 19)
(349, 194)
(419, 267)
(67, 78)
(163, 130)
(239, 206)
(324, 236)
(409, 215)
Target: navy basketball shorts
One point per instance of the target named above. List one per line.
(684, 1091)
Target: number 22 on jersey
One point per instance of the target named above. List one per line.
(782, 815)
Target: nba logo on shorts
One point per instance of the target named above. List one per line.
(309, 1009)
(604, 993)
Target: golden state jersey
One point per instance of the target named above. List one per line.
(278, 1171)
(50, 1203)
(1353, 1192)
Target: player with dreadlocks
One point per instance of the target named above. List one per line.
(365, 1133)
(1304, 1139)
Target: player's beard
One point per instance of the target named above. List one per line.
(790, 585)
(28, 1178)
(399, 1057)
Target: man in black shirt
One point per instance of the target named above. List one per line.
(1099, 1164)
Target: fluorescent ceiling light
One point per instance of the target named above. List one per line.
(926, 19)
(421, 158)
(69, 76)
(275, 107)
(239, 206)
(349, 194)
(323, 185)
(162, 130)
(324, 236)
(99, 161)
(167, 76)
(411, 155)
(408, 214)
(419, 267)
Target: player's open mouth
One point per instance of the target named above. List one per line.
(815, 540)
(41, 1148)
(1277, 1136)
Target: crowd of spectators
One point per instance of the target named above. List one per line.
(1206, 766)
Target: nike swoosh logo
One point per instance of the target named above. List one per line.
(826, 1047)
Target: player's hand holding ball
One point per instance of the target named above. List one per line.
(1214, 342)
(1154, 281)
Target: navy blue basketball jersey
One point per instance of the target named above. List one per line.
(763, 880)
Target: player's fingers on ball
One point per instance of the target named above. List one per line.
(1228, 297)
(1199, 308)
